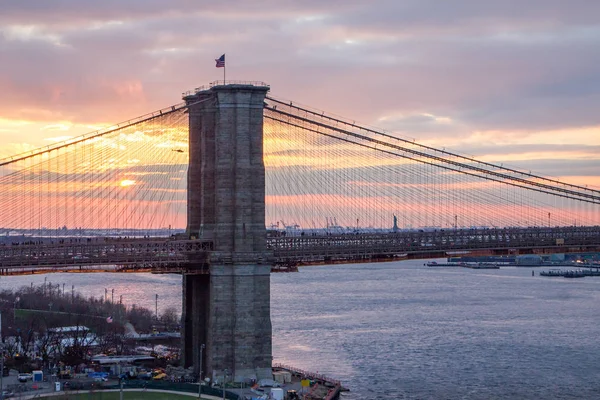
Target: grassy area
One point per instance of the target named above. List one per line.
(115, 396)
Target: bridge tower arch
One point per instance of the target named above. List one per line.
(227, 309)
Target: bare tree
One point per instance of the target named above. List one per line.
(170, 318)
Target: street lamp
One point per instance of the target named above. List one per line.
(156, 306)
(200, 373)
(224, 379)
(15, 309)
(121, 379)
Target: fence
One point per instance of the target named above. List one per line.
(151, 385)
(308, 374)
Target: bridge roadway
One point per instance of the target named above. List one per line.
(169, 255)
(433, 243)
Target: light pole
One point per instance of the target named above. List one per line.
(120, 306)
(224, 379)
(121, 388)
(15, 309)
(156, 306)
(200, 373)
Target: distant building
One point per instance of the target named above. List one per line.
(67, 336)
(529, 259)
(69, 330)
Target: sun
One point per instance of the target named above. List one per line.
(127, 182)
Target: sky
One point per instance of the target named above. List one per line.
(506, 81)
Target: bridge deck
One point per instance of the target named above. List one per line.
(195, 256)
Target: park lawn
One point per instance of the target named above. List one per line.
(115, 396)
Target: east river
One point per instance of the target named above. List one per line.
(401, 330)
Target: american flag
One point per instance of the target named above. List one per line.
(220, 61)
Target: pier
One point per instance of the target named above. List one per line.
(465, 265)
(577, 273)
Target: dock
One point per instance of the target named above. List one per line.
(577, 273)
(322, 387)
(465, 265)
(482, 266)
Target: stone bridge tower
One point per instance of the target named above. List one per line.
(226, 297)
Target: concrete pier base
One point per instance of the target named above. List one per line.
(240, 320)
(195, 317)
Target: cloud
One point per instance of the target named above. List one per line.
(437, 71)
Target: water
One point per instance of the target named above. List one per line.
(404, 331)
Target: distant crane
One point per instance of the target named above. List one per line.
(294, 226)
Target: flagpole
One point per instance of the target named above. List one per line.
(224, 68)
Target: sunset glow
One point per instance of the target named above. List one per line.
(415, 71)
(127, 182)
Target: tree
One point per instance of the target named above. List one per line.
(76, 346)
(170, 318)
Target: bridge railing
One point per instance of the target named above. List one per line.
(307, 374)
(219, 83)
(101, 252)
(196, 256)
(313, 248)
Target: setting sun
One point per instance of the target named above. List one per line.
(127, 182)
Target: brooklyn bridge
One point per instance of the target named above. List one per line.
(234, 183)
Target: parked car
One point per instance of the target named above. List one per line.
(145, 375)
(24, 377)
(160, 376)
(268, 383)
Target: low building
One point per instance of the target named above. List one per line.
(529, 260)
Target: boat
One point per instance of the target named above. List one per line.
(568, 274)
(574, 274)
(437, 264)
